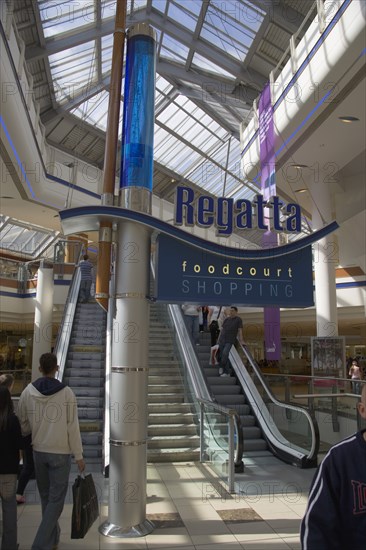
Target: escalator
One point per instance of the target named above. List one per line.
(290, 431)
(81, 350)
(211, 418)
(270, 427)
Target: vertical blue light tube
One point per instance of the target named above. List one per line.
(139, 106)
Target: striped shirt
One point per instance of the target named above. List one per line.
(86, 268)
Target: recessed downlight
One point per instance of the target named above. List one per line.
(7, 197)
(348, 119)
(302, 190)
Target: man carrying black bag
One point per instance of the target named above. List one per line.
(48, 410)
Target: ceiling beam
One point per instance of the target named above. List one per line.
(209, 51)
(282, 14)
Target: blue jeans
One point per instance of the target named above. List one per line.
(224, 350)
(356, 386)
(52, 475)
(193, 326)
(8, 483)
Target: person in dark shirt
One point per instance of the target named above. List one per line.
(335, 517)
(232, 328)
(11, 442)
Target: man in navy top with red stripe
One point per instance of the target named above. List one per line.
(335, 518)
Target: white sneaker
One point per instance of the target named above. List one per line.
(221, 371)
(224, 374)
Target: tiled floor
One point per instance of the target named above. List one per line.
(192, 510)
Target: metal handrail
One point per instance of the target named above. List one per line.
(200, 389)
(270, 431)
(64, 333)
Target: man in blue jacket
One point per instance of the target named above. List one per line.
(335, 517)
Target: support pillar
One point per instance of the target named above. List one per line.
(129, 371)
(128, 387)
(325, 263)
(42, 336)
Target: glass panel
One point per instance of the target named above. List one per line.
(185, 18)
(173, 49)
(159, 5)
(203, 63)
(64, 16)
(73, 69)
(215, 423)
(24, 239)
(216, 441)
(107, 48)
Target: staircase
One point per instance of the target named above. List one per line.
(227, 391)
(85, 374)
(173, 434)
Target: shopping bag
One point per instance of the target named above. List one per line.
(85, 508)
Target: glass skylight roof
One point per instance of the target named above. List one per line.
(190, 136)
(24, 239)
(65, 16)
(185, 134)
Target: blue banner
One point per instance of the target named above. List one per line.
(185, 273)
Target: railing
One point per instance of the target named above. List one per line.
(63, 337)
(221, 433)
(330, 399)
(291, 430)
(317, 7)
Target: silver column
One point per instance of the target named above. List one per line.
(128, 388)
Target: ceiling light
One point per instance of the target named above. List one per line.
(6, 197)
(302, 190)
(299, 165)
(348, 119)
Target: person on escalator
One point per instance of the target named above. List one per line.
(232, 328)
(335, 517)
(86, 279)
(191, 318)
(47, 410)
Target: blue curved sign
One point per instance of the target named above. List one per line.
(87, 218)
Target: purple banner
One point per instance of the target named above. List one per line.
(272, 323)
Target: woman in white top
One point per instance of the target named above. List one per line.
(355, 374)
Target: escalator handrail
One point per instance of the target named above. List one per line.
(64, 333)
(201, 391)
(246, 380)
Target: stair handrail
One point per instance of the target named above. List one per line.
(276, 440)
(64, 332)
(108, 366)
(200, 389)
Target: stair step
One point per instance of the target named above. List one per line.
(170, 418)
(92, 438)
(88, 392)
(168, 398)
(82, 382)
(170, 407)
(86, 349)
(173, 455)
(84, 372)
(172, 430)
(165, 388)
(227, 389)
(178, 442)
(91, 425)
(89, 413)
